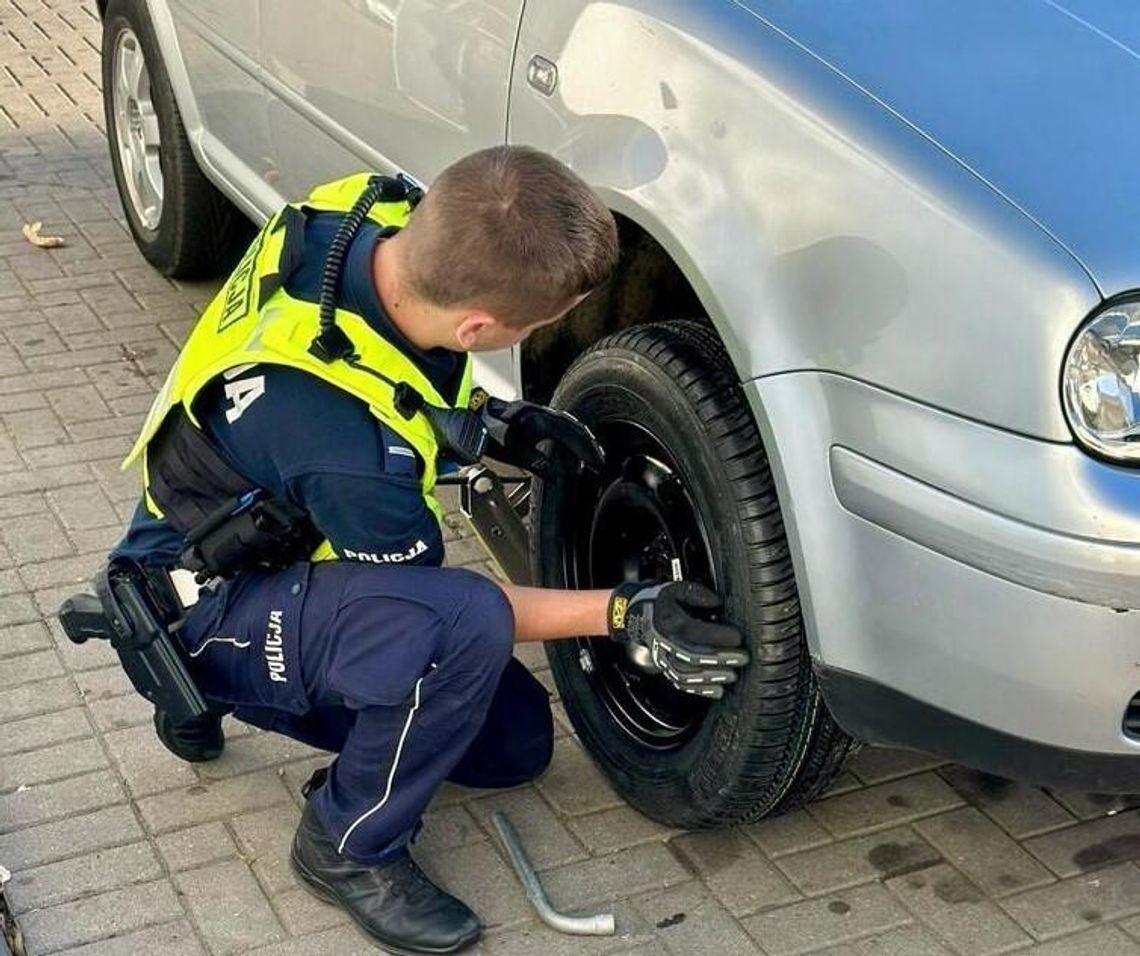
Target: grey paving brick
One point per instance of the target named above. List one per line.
(112, 449)
(1103, 941)
(739, 876)
(76, 571)
(202, 802)
(957, 910)
(1088, 806)
(53, 800)
(548, 843)
(82, 876)
(447, 827)
(230, 908)
(99, 917)
(41, 479)
(55, 693)
(302, 913)
(36, 767)
(479, 877)
(264, 838)
(610, 830)
(33, 502)
(878, 764)
(102, 539)
(788, 833)
(72, 320)
(35, 428)
(908, 941)
(79, 403)
(34, 733)
(343, 941)
(22, 638)
(82, 507)
(10, 582)
(1090, 845)
(196, 846)
(844, 783)
(34, 340)
(688, 919)
(1078, 902)
(983, 852)
(625, 873)
(825, 921)
(125, 486)
(858, 860)
(103, 428)
(170, 939)
(1019, 809)
(145, 764)
(884, 805)
(573, 784)
(103, 683)
(253, 752)
(29, 667)
(77, 834)
(35, 538)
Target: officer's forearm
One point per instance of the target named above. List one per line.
(544, 614)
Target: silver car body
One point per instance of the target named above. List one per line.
(896, 215)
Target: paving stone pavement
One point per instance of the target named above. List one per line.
(116, 848)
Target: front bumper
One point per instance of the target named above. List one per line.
(988, 579)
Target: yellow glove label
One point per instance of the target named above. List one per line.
(478, 399)
(617, 613)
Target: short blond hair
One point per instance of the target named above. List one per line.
(511, 231)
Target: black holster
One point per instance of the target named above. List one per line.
(138, 611)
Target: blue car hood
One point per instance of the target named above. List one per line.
(1038, 97)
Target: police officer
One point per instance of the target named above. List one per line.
(291, 456)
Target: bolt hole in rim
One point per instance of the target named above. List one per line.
(644, 526)
(137, 136)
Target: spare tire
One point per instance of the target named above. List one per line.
(686, 491)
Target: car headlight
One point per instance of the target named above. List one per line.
(1102, 383)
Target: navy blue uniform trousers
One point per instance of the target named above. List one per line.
(405, 672)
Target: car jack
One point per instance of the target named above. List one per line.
(497, 517)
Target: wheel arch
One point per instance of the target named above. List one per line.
(649, 285)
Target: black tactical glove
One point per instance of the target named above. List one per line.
(515, 430)
(697, 656)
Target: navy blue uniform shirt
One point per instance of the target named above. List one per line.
(293, 434)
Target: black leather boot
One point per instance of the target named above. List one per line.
(395, 904)
(195, 741)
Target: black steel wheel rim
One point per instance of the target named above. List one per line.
(638, 522)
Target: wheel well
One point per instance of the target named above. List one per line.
(646, 287)
(101, 6)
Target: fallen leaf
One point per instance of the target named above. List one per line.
(32, 234)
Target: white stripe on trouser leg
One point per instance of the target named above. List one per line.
(391, 773)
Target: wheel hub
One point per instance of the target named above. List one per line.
(645, 527)
(137, 140)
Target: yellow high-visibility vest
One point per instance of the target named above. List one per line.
(253, 320)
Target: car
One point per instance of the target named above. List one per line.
(868, 367)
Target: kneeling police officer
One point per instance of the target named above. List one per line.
(290, 461)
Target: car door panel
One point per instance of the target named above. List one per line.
(401, 84)
(390, 85)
